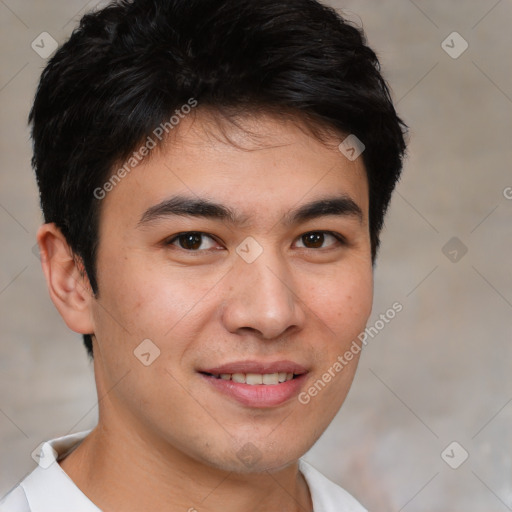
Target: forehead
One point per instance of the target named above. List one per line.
(259, 166)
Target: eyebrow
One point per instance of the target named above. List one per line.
(204, 208)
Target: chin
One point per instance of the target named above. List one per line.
(252, 458)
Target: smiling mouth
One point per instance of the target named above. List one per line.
(254, 379)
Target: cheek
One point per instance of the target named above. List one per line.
(344, 301)
(139, 300)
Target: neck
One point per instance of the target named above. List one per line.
(119, 469)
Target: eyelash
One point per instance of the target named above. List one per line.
(340, 238)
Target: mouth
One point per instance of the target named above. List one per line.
(255, 384)
(254, 379)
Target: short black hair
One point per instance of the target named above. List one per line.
(129, 66)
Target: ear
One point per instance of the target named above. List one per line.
(67, 281)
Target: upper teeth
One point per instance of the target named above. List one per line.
(257, 378)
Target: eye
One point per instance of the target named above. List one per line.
(316, 239)
(196, 241)
(192, 241)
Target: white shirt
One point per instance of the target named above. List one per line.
(49, 489)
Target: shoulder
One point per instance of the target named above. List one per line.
(326, 495)
(15, 501)
(48, 488)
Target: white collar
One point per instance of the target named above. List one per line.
(49, 489)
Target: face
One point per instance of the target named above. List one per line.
(246, 268)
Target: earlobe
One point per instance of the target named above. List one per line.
(67, 281)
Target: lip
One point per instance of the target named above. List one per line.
(259, 395)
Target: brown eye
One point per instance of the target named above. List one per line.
(317, 239)
(192, 241)
(313, 240)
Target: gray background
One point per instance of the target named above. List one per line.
(437, 373)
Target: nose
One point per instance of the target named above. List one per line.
(263, 298)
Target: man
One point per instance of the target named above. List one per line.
(213, 177)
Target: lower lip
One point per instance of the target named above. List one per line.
(259, 395)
